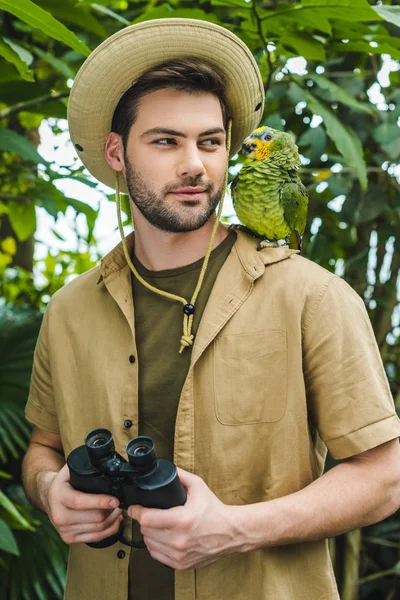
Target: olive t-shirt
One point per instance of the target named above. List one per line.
(162, 373)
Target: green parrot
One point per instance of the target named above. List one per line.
(268, 196)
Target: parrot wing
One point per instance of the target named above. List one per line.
(294, 199)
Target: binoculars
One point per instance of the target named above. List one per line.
(96, 468)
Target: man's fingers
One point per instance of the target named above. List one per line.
(81, 501)
(97, 517)
(85, 525)
(86, 538)
(156, 518)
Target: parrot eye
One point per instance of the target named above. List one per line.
(268, 137)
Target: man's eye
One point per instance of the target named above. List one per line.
(212, 142)
(164, 141)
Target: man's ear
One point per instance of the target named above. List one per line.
(114, 152)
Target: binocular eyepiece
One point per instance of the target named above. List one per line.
(101, 450)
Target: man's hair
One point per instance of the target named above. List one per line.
(189, 75)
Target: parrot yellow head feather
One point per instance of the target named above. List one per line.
(267, 143)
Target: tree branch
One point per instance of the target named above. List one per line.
(11, 110)
(267, 84)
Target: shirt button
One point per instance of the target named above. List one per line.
(121, 554)
(127, 423)
(132, 358)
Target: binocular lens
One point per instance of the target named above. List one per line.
(141, 453)
(99, 444)
(100, 441)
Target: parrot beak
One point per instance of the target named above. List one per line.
(248, 148)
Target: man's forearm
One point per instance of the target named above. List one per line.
(40, 465)
(351, 495)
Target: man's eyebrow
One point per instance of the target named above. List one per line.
(155, 130)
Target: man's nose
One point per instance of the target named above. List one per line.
(190, 162)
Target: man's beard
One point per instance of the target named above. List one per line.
(154, 207)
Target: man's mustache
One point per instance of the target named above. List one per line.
(191, 183)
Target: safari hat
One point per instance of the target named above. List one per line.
(114, 66)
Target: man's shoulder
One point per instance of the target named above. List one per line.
(308, 283)
(299, 270)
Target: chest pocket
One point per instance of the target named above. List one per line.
(250, 377)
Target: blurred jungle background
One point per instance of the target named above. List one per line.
(332, 78)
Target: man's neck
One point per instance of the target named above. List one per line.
(159, 250)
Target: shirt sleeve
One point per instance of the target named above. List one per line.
(40, 408)
(348, 393)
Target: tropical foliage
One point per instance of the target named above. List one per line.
(341, 102)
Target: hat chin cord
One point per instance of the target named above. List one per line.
(188, 307)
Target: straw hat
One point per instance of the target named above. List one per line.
(115, 65)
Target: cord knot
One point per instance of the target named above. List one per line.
(186, 340)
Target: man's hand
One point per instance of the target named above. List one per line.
(193, 535)
(77, 516)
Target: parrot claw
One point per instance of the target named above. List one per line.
(265, 243)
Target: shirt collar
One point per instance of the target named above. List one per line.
(253, 261)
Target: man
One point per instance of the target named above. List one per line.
(277, 360)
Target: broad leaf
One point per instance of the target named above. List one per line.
(305, 45)
(315, 138)
(344, 137)
(110, 13)
(39, 572)
(19, 328)
(352, 10)
(70, 11)
(38, 18)
(58, 65)
(14, 513)
(339, 94)
(389, 13)
(7, 539)
(22, 217)
(11, 56)
(10, 141)
(386, 133)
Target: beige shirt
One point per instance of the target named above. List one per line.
(284, 365)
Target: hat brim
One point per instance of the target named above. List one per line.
(115, 65)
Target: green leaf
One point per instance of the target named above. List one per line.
(110, 13)
(315, 138)
(40, 19)
(314, 19)
(165, 11)
(386, 133)
(392, 149)
(370, 206)
(10, 141)
(7, 539)
(305, 45)
(59, 65)
(12, 510)
(233, 3)
(391, 14)
(344, 137)
(364, 47)
(351, 10)
(23, 219)
(71, 12)
(12, 57)
(339, 94)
